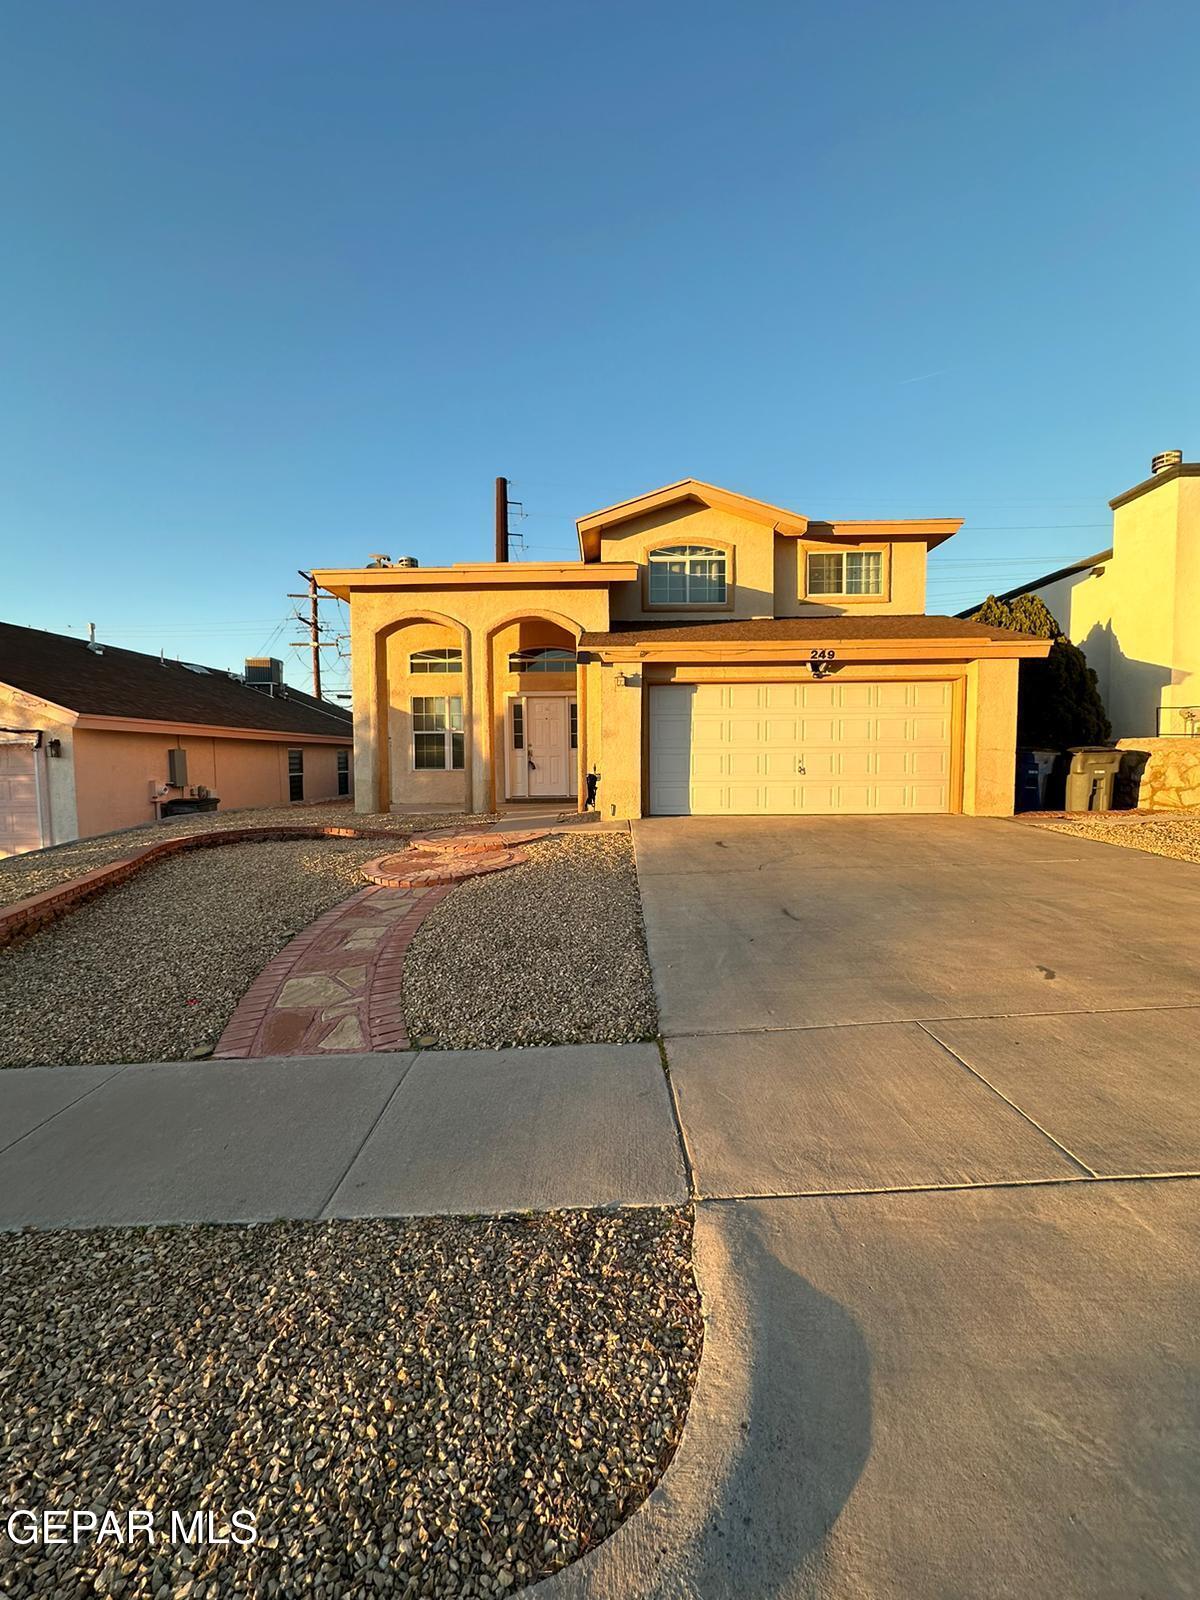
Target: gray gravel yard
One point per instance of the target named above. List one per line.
(42, 869)
(551, 952)
(442, 1407)
(152, 970)
(1158, 834)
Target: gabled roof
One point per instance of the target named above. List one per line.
(110, 682)
(692, 490)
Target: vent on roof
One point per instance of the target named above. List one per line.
(406, 561)
(194, 666)
(264, 669)
(1165, 459)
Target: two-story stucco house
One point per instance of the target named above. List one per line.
(707, 653)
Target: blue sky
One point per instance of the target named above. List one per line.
(285, 284)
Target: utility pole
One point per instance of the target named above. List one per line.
(314, 642)
(501, 519)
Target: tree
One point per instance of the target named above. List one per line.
(1058, 700)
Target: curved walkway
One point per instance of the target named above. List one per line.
(339, 985)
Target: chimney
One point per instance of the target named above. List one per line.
(1165, 459)
(501, 519)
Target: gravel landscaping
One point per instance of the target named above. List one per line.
(152, 970)
(441, 1407)
(43, 869)
(551, 952)
(1159, 835)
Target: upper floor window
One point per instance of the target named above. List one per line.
(688, 575)
(845, 572)
(435, 661)
(543, 659)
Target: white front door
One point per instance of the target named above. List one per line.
(548, 744)
(812, 748)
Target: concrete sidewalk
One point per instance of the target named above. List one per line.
(346, 1136)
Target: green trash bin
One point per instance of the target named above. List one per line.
(1090, 778)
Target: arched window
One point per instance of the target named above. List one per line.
(688, 575)
(542, 659)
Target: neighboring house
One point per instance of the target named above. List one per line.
(1134, 609)
(93, 738)
(708, 654)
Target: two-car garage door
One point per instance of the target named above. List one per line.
(814, 748)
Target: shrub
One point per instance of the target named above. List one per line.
(1058, 700)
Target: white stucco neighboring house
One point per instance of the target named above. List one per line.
(1134, 609)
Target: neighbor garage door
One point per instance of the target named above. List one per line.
(815, 748)
(20, 822)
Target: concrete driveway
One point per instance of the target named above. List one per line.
(934, 1077)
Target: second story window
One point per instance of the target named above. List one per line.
(845, 572)
(688, 575)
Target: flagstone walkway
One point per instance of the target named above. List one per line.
(338, 986)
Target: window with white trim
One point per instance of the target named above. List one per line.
(437, 733)
(435, 661)
(518, 725)
(343, 772)
(295, 774)
(845, 572)
(688, 575)
(574, 725)
(543, 659)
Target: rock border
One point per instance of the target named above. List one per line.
(38, 911)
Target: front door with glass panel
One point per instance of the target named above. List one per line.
(548, 744)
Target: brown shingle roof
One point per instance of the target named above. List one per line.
(126, 683)
(766, 630)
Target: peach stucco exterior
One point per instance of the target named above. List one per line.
(104, 773)
(488, 611)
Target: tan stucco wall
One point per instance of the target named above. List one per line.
(1138, 621)
(990, 738)
(428, 788)
(56, 774)
(470, 617)
(115, 770)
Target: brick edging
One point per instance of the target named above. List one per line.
(241, 1031)
(38, 911)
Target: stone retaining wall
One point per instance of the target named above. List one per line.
(39, 910)
(1168, 778)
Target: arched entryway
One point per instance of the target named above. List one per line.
(423, 713)
(536, 722)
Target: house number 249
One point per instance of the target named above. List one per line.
(822, 655)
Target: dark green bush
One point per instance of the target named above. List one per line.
(1058, 701)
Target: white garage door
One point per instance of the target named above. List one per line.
(20, 820)
(815, 748)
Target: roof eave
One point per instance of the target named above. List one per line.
(343, 581)
(764, 650)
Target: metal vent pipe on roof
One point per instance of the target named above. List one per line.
(1165, 459)
(501, 519)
